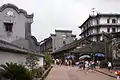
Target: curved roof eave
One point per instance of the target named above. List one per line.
(8, 5)
(37, 43)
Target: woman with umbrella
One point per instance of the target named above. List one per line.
(85, 64)
(99, 56)
(85, 57)
(70, 59)
(82, 64)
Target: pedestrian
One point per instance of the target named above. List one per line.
(70, 62)
(83, 65)
(73, 63)
(98, 64)
(60, 62)
(87, 65)
(55, 62)
(92, 65)
(109, 66)
(80, 64)
(66, 62)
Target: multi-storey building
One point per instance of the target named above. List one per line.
(61, 38)
(57, 40)
(95, 25)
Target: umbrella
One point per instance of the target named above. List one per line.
(70, 56)
(84, 56)
(99, 55)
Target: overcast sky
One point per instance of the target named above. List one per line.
(62, 14)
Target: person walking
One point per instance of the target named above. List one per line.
(55, 62)
(66, 62)
(70, 62)
(60, 62)
(83, 65)
(87, 65)
(109, 66)
(80, 64)
(92, 65)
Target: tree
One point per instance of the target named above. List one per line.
(48, 60)
(32, 61)
(14, 71)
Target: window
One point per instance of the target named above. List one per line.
(97, 21)
(108, 20)
(108, 29)
(113, 29)
(87, 33)
(113, 21)
(8, 27)
(64, 42)
(98, 38)
(83, 28)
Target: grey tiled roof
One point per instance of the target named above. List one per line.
(91, 48)
(8, 46)
(14, 48)
(71, 45)
(66, 47)
(63, 31)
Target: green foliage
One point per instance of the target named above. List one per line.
(32, 61)
(38, 72)
(32, 64)
(14, 71)
(48, 60)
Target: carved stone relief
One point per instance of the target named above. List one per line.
(116, 48)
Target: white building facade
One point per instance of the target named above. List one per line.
(14, 23)
(16, 41)
(15, 27)
(94, 26)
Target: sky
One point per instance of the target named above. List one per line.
(62, 14)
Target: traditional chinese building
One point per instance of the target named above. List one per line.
(16, 40)
(61, 38)
(15, 27)
(57, 40)
(46, 45)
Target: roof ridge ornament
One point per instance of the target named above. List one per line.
(94, 12)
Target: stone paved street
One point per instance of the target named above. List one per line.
(72, 73)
